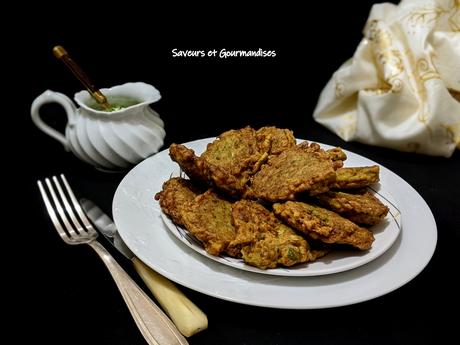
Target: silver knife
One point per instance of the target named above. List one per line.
(187, 317)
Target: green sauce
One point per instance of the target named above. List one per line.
(116, 102)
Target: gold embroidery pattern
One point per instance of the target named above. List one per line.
(429, 15)
(426, 70)
(423, 118)
(378, 91)
(454, 18)
(415, 83)
(426, 15)
(396, 85)
(386, 56)
(339, 89)
(423, 70)
(453, 133)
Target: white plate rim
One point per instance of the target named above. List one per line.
(393, 269)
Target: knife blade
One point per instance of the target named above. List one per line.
(187, 317)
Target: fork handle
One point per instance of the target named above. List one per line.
(154, 325)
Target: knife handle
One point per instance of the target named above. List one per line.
(187, 317)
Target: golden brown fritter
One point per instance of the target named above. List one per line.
(263, 240)
(175, 196)
(236, 156)
(359, 177)
(323, 224)
(236, 151)
(338, 156)
(200, 170)
(209, 219)
(274, 140)
(363, 208)
(302, 168)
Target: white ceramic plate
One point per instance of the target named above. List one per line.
(138, 218)
(385, 235)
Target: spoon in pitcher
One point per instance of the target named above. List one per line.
(60, 53)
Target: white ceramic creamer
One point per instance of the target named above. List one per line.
(109, 140)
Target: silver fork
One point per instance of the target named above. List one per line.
(154, 325)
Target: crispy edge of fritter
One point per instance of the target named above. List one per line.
(363, 208)
(263, 240)
(323, 224)
(174, 197)
(337, 156)
(357, 177)
(198, 169)
(283, 176)
(274, 140)
(316, 254)
(189, 163)
(209, 219)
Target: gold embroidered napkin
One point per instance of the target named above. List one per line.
(401, 89)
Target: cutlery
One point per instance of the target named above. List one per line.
(154, 325)
(187, 317)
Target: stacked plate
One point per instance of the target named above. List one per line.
(403, 246)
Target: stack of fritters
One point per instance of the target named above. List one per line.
(242, 229)
(229, 162)
(247, 173)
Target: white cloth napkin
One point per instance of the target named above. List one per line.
(401, 89)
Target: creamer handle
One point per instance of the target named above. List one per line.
(53, 97)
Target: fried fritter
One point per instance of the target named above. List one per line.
(363, 208)
(302, 168)
(175, 196)
(200, 170)
(191, 164)
(263, 240)
(338, 156)
(209, 219)
(322, 224)
(236, 153)
(274, 140)
(359, 177)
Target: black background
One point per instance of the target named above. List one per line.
(71, 299)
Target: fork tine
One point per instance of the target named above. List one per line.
(60, 210)
(67, 207)
(77, 206)
(57, 224)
